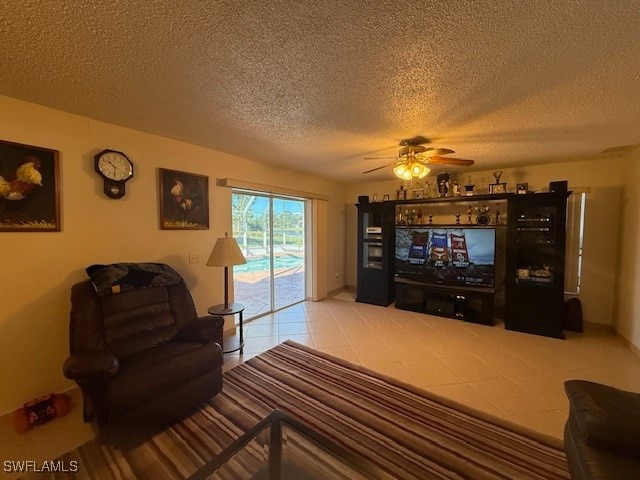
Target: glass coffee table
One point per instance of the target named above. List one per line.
(281, 447)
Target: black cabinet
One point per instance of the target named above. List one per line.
(535, 263)
(375, 253)
(471, 305)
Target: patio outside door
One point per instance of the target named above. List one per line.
(270, 231)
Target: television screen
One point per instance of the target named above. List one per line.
(446, 256)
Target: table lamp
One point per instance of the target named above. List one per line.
(226, 253)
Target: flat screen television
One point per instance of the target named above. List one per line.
(451, 256)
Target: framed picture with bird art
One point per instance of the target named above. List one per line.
(184, 200)
(29, 188)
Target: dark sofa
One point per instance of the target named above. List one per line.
(142, 357)
(602, 434)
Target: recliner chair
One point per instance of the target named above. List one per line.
(602, 434)
(142, 357)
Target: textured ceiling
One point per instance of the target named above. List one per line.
(317, 86)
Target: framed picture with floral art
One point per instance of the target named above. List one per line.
(29, 188)
(184, 200)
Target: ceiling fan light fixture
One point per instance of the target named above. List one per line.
(418, 170)
(401, 171)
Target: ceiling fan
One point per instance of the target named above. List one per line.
(413, 158)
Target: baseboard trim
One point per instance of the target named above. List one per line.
(612, 328)
(628, 343)
(336, 291)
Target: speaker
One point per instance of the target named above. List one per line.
(557, 187)
(363, 199)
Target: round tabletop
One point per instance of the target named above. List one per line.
(230, 310)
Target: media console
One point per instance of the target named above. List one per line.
(469, 304)
(523, 286)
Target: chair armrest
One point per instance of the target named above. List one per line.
(606, 417)
(205, 329)
(93, 364)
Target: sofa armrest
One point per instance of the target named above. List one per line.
(205, 329)
(606, 417)
(93, 364)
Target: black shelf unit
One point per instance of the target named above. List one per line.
(534, 289)
(376, 238)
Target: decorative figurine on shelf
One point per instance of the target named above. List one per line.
(469, 188)
(497, 187)
(469, 212)
(443, 184)
(456, 189)
(400, 220)
(457, 218)
(498, 215)
(430, 218)
(409, 217)
(417, 192)
(419, 217)
(427, 190)
(483, 215)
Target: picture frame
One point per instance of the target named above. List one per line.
(184, 200)
(497, 188)
(522, 188)
(385, 197)
(417, 193)
(29, 188)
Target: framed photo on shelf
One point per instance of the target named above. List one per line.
(497, 188)
(29, 188)
(522, 188)
(385, 197)
(184, 200)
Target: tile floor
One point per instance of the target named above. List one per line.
(512, 375)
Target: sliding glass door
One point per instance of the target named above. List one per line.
(270, 231)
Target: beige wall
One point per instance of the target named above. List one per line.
(606, 177)
(628, 311)
(38, 269)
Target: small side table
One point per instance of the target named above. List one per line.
(232, 309)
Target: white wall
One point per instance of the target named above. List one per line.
(606, 177)
(38, 269)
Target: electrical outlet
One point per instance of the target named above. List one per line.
(194, 258)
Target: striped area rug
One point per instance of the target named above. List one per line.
(405, 431)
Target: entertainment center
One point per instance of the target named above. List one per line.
(472, 258)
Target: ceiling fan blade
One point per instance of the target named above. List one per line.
(451, 161)
(379, 168)
(436, 151)
(443, 151)
(381, 158)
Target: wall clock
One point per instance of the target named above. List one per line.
(116, 169)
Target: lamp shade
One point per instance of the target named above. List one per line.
(226, 253)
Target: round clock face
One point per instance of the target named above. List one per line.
(115, 166)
